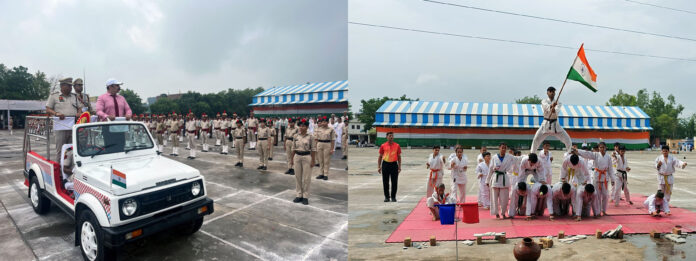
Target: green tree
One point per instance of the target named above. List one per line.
(164, 106)
(622, 99)
(664, 115)
(18, 84)
(369, 109)
(134, 101)
(529, 100)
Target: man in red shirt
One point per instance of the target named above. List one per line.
(389, 165)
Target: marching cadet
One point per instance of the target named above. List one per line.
(302, 156)
(622, 177)
(206, 125)
(62, 104)
(603, 173)
(233, 126)
(562, 198)
(252, 125)
(191, 135)
(272, 138)
(518, 200)
(174, 134)
(656, 203)
(239, 139)
(152, 125)
(83, 103)
(550, 126)
(435, 165)
(264, 145)
(344, 140)
(585, 200)
(666, 164)
(224, 128)
(483, 170)
(216, 129)
(290, 132)
(161, 126)
(182, 130)
(326, 138)
(538, 199)
(167, 121)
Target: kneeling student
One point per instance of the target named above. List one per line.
(586, 200)
(538, 199)
(563, 197)
(656, 204)
(518, 200)
(439, 197)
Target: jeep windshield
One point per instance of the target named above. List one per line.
(112, 138)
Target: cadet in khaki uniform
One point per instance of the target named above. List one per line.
(191, 128)
(83, 103)
(252, 124)
(216, 129)
(303, 151)
(206, 125)
(290, 132)
(62, 104)
(160, 127)
(152, 125)
(239, 135)
(326, 138)
(233, 126)
(174, 134)
(344, 139)
(262, 136)
(272, 139)
(224, 127)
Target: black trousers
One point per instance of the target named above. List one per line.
(390, 170)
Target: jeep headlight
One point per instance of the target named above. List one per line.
(129, 207)
(195, 188)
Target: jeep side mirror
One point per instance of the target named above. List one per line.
(79, 163)
(159, 153)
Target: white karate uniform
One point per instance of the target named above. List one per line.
(458, 177)
(584, 203)
(562, 202)
(528, 168)
(550, 127)
(545, 159)
(621, 182)
(516, 202)
(576, 175)
(436, 171)
(500, 183)
(479, 158)
(484, 194)
(434, 199)
(603, 175)
(665, 178)
(652, 206)
(537, 203)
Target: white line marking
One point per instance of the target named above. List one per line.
(232, 245)
(228, 195)
(242, 208)
(264, 252)
(345, 224)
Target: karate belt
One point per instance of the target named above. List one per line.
(551, 122)
(624, 176)
(571, 174)
(497, 174)
(432, 181)
(668, 188)
(602, 172)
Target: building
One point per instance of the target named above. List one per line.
(357, 131)
(428, 123)
(302, 100)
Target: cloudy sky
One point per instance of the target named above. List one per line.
(385, 62)
(170, 46)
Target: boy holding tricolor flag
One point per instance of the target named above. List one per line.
(581, 72)
(118, 178)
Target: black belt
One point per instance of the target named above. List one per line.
(324, 140)
(302, 153)
(288, 139)
(624, 176)
(497, 174)
(550, 120)
(263, 138)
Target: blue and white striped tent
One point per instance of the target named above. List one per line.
(507, 115)
(324, 92)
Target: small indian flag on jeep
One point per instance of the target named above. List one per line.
(118, 178)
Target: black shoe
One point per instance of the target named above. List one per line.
(316, 165)
(346, 168)
(320, 177)
(265, 168)
(386, 199)
(345, 157)
(260, 167)
(305, 201)
(236, 164)
(287, 172)
(270, 158)
(241, 165)
(393, 199)
(326, 177)
(204, 150)
(292, 171)
(297, 200)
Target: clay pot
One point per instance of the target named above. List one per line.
(527, 249)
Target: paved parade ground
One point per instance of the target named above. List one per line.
(254, 219)
(372, 221)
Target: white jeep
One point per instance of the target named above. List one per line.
(114, 164)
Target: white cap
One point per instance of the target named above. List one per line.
(112, 81)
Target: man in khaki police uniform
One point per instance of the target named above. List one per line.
(326, 139)
(303, 151)
(263, 136)
(233, 126)
(62, 104)
(206, 125)
(290, 132)
(224, 128)
(174, 127)
(191, 128)
(252, 125)
(272, 139)
(83, 103)
(239, 134)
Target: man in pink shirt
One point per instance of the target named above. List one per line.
(111, 105)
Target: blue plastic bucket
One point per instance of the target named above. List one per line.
(447, 214)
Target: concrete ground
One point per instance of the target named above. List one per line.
(371, 220)
(254, 219)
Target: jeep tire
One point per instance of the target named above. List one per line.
(39, 202)
(90, 237)
(191, 227)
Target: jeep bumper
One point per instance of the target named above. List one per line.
(116, 236)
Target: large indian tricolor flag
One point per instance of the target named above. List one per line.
(582, 72)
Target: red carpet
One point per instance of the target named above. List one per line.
(419, 224)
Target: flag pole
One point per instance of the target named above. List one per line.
(566, 78)
(111, 178)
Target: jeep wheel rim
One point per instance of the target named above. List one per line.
(88, 239)
(34, 195)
